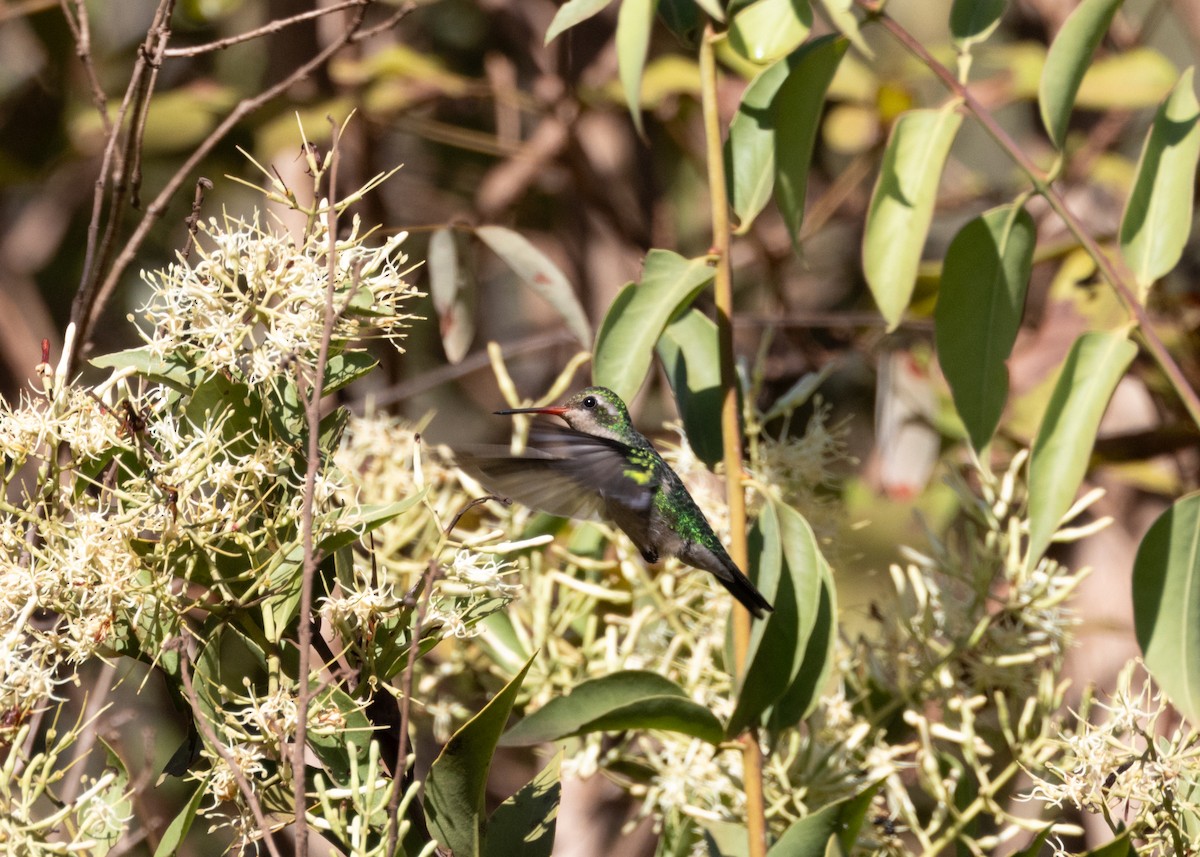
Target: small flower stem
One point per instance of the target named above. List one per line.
(1116, 275)
(752, 761)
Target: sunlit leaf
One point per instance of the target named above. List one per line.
(765, 30)
(1130, 80)
(902, 205)
(571, 13)
(1067, 61)
(625, 344)
(797, 107)
(540, 274)
(629, 699)
(528, 817)
(1166, 603)
(456, 789)
(178, 829)
(1157, 220)
(840, 13)
(1064, 441)
(633, 41)
(980, 301)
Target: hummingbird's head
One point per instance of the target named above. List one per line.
(593, 410)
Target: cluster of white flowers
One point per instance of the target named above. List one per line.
(252, 304)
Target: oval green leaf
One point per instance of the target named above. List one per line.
(802, 695)
(972, 21)
(1064, 440)
(625, 343)
(979, 308)
(902, 205)
(778, 644)
(689, 352)
(630, 699)
(750, 147)
(571, 13)
(540, 274)
(1166, 603)
(456, 790)
(633, 41)
(797, 108)
(1068, 60)
(1157, 219)
(765, 30)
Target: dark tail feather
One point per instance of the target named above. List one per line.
(743, 590)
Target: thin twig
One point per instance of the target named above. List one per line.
(383, 26)
(81, 32)
(239, 776)
(193, 220)
(312, 413)
(93, 305)
(752, 760)
(257, 33)
(1113, 271)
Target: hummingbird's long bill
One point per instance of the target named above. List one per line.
(603, 467)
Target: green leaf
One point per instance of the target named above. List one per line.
(1157, 222)
(456, 789)
(331, 746)
(178, 829)
(778, 644)
(630, 699)
(833, 829)
(1034, 848)
(1166, 603)
(840, 14)
(1068, 60)
(540, 274)
(449, 289)
(802, 695)
(170, 371)
(902, 205)
(638, 315)
(764, 30)
(799, 393)
(1064, 440)
(1118, 847)
(1130, 80)
(682, 18)
(797, 109)
(972, 21)
(688, 350)
(978, 314)
(525, 823)
(633, 41)
(571, 13)
(750, 147)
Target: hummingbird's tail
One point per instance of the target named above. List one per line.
(726, 571)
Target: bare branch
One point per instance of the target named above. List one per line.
(265, 30)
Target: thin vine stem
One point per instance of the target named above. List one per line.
(752, 760)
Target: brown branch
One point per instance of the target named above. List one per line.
(81, 32)
(265, 30)
(193, 219)
(90, 310)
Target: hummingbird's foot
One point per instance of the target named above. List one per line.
(650, 555)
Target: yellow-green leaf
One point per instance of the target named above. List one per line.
(765, 30)
(902, 205)
(1068, 60)
(633, 41)
(1158, 216)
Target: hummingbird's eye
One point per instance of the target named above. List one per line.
(589, 402)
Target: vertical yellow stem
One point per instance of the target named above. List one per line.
(752, 761)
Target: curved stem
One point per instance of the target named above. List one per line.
(752, 761)
(1112, 271)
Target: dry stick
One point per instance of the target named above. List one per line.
(81, 32)
(84, 314)
(312, 414)
(206, 730)
(1041, 183)
(265, 30)
(111, 178)
(752, 761)
(193, 220)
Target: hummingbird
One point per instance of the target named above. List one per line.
(600, 466)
